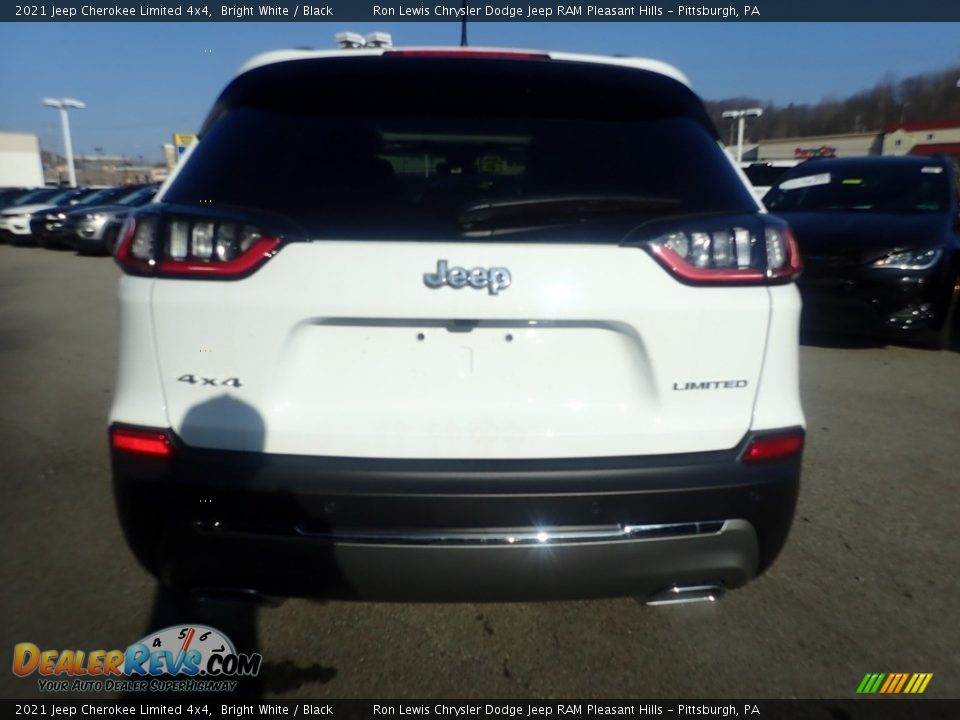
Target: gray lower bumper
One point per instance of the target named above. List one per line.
(479, 572)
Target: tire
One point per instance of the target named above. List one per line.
(948, 336)
(110, 241)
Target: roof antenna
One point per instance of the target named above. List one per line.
(463, 27)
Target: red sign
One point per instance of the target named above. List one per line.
(822, 151)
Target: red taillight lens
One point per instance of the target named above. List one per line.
(773, 447)
(182, 246)
(746, 249)
(467, 53)
(141, 442)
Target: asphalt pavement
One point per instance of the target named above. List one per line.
(868, 581)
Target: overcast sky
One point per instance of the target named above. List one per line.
(144, 81)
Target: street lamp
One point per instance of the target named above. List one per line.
(63, 104)
(740, 115)
(99, 151)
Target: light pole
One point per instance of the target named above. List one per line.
(99, 151)
(63, 104)
(741, 115)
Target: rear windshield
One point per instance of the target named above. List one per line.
(875, 187)
(415, 167)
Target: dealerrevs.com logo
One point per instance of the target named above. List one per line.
(188, 658)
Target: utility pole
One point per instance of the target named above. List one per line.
(99, 151)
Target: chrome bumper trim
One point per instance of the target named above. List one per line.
(524, 536)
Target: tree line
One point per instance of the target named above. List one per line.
(931, 96)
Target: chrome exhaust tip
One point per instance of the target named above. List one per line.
(684, 594)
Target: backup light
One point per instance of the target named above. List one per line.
(178, 239)
(201, 243)
(226, 248)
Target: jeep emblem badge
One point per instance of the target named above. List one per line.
(494, 279)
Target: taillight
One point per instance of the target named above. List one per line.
(773, 447)
(141, 442)
(192, 246)
(753, 249)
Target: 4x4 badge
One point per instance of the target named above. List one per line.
(494, 279)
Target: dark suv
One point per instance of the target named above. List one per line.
(880, 240)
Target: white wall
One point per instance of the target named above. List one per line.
(20, 160)
(845, 145)
(901, 141)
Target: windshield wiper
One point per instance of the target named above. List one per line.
(544, 211)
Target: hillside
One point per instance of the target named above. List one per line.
(932, 96)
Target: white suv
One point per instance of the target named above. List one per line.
(457, 324)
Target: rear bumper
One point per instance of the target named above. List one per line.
(454, 530)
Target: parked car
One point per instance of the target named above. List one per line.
(95, 229)
(505, 325)
(15, 219)
(9, 194)
(23, 196)
(47, 227)
(764, 174)
(879, 238)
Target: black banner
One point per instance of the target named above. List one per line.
(221, 707)
(482, 11)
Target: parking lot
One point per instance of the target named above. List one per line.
(867, 582)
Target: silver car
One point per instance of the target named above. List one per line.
(95, 229)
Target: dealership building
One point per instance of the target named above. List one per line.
(20, 164)
(911, 138)
(923, 138)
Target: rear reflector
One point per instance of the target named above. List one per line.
(141, 442)
(773, 447)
